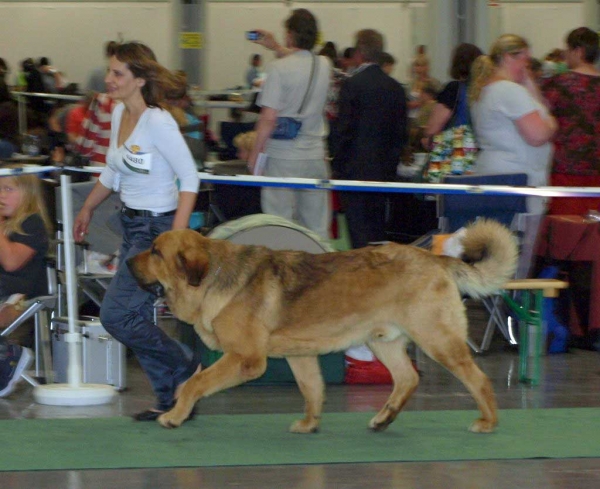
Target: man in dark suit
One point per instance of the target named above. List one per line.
(372, 133)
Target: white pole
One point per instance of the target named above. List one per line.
(73, 337)
(75, 393)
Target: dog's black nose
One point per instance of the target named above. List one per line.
(155, 288)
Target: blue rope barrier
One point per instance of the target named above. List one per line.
(352, 185)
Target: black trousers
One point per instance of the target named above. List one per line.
(365, 214)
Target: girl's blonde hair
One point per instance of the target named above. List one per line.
(485, 66)
(245, 140)
(32, 202)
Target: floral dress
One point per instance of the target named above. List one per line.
(574, 100)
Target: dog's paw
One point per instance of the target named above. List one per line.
(380, 423)
(482, 426)
(378, 426)
(166, 420)
(304, 426)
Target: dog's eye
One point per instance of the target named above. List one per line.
(155, 251)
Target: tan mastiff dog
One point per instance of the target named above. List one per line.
(251, 303)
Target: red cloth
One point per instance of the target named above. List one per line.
(75, 118)
(361, 372)
(573, 206)
(577, 239)
(95, 136)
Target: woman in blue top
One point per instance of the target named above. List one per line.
(146, 159)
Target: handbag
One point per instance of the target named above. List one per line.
(287, 128)
(454, 149)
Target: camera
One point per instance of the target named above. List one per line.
(253, 35)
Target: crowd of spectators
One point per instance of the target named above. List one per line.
(353, 121)
(551, 133)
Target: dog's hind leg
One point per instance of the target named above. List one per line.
(307, 373)
(394, 356)
(453, 353)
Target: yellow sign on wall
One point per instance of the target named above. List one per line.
(190, 40)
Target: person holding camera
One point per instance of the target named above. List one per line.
(291, 126)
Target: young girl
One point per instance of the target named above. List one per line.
(24, 231)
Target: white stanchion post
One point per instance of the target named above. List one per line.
(73, 337)
(75, 393)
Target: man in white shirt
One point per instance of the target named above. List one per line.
(296, 86)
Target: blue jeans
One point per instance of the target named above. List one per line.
(126, 313)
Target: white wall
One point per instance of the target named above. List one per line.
(228, 52)
(72, 35)
(544, 25)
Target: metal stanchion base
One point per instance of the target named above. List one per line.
(67, 395)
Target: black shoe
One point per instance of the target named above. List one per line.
(148, 415)
(152, 415)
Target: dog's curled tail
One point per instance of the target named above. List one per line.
(489, 259)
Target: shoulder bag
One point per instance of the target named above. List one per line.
(454, 149)
(289, 127)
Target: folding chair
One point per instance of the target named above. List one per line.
(457, 210)
(41, 309)
(104, 236)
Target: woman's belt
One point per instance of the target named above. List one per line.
(129, 212)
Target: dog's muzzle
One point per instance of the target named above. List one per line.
(155, 288)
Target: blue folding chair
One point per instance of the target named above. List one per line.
(455, 211)
(458, 210)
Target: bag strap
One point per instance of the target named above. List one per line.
(461, 109)
(310, 84)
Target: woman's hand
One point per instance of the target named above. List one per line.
(266, 39)
(185, 207)
(81, 224)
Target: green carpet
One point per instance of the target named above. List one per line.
(228, 440)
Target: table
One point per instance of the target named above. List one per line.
(575, 238)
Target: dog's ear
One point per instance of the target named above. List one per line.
(193, 264)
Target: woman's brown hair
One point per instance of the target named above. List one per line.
(141, 60)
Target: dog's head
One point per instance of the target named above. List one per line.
(176, 258)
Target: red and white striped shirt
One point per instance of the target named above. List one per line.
(95, 136)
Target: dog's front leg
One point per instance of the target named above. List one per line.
(230, 370)
(307, 373)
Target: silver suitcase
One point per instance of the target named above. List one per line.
(103, 357)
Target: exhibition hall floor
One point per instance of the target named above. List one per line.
(569, 380)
